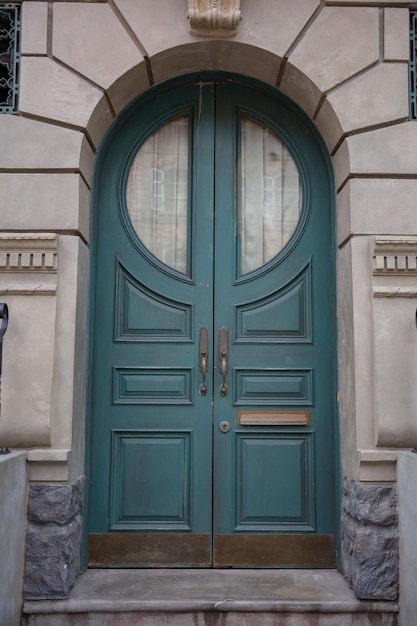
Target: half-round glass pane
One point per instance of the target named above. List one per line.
(269, 199)
(157, 194)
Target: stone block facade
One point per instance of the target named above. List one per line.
(370, 540)
(345, 64)
(407, 522)
(13, 490)
(53, 539)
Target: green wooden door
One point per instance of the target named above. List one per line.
(213, 360)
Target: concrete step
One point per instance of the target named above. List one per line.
(184, 597)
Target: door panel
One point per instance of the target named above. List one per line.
(241, 450)
(268, 478)
(284, 316)
(151, 461)
(278, 504)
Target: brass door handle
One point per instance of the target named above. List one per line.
(203, 358)
(223, 357)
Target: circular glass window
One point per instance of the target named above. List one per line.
(269, 196)
(157, 194)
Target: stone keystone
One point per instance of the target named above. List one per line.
(214, 18)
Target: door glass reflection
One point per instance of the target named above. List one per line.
(157, 194)
(269, 199)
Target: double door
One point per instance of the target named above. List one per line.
(213, 361)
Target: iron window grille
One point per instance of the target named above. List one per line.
(10, 24)
(413, 65)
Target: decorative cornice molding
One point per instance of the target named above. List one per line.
(395, 255)
(394, 292)
(31, 252)
(378, 456)
(214, 18)
(57, 455)
(28, 290)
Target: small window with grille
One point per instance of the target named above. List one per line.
(413, 65)
(9, 56)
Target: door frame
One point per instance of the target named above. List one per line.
(151, 93)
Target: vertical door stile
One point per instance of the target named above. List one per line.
(224, 270)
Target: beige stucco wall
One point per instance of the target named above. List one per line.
(344, 64)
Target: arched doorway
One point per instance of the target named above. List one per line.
(213, 419)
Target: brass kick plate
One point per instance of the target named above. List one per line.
(274, 551)
(268, 418)
(149, 550)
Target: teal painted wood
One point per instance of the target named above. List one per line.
(278, 504)
(279, 317)
(153, 435)
(151, 460)
(151, 478)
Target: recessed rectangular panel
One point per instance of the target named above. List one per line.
(284, 316)
(274, 387)
(274, 482)
(143, 314)
(150, 480)
(148, 314)
(141, 385)
(270, 418)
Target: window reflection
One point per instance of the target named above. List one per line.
(270, 196)
(157, 194)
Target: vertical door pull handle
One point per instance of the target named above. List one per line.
(223, 356)
(203, 358)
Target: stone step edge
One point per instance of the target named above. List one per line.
(38, 607)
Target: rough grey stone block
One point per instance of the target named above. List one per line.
(53, 539)
(370, 546)
(57, 504)
(52, 559)
(370, 504)
(370, 559)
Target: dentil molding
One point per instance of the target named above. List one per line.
(394, 267)
(28, 263)
(214, 18)
(395, 255)
(31, 252)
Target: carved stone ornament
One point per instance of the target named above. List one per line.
(394, 266)
(28, 252)
(214, 18)
(28, 263)
(395, 255)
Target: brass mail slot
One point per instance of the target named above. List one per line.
(267, 418)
